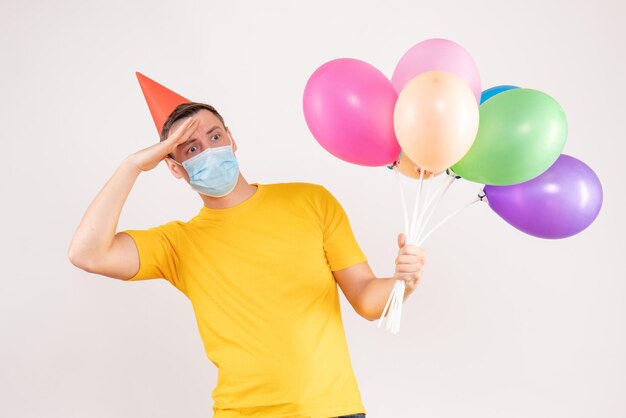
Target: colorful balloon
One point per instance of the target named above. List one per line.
(521, 134)
(436, 120)
(489, 93)
(408, 168)
(348, 107)
(559, 203)
(437, 54)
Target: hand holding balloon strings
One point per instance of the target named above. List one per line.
(409, 266)
(423, 210)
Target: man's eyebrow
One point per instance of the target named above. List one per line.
(190, 140)
(213, 128)
(187, 142)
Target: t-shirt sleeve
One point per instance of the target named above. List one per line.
(158, 255)
(340, 245)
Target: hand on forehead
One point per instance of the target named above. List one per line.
(206, 120)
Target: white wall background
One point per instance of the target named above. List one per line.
(503, 324)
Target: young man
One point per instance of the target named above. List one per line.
(260, 264)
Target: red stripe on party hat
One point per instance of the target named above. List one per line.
(161, 100)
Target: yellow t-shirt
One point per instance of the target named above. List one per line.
(259, 277)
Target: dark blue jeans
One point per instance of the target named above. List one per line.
(353, 416)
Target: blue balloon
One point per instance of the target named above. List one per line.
(489, 93)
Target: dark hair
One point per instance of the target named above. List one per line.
(185, 110)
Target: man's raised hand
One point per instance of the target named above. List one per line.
(148, 158)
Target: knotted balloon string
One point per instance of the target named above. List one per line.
(479, 198)
(424, 204)
(404, 209)
(398, 287)
(441, 192)
(393, 308)
(394, 304)
(416, 206)
(423, 210)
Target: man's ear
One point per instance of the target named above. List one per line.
(176, 170)
(232, 139)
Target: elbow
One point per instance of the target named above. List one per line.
(369, 317)
(367, 309)
(79, 260)
(366, 313)
(364, 309)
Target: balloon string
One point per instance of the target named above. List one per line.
(422, 211)
(395, 314)
(404, 207)
(436, 199)
(387, 305)
(398, 313)
(397, 295)
(451, 179)
(393, 308)
(416, 206)
(392, 302)
(447, 218)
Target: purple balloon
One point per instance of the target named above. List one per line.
(559, 203)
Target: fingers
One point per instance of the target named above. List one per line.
(180, 135)
(410, 256)
(412, 250)
(409, 262)
(411, 280)
(401, 240)
(411, 285)
(408, 277)
(410, 259)
(409, 272)
(410, 265)
(184, 131)
(409, 268)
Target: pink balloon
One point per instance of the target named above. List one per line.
(437, 54)
(348, 107)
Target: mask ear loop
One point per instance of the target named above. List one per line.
(232, 142)
(174, 161)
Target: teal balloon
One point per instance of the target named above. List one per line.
(489, 93)
(521, 134)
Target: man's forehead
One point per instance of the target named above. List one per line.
(205, 118)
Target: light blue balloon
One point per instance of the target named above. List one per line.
(489, 93)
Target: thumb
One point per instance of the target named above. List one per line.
(401, 240)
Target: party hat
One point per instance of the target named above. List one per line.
(161, 100)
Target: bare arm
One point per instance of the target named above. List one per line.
(95, 246)
(368, 294)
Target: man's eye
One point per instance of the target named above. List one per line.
(192, 148)
(216, 135)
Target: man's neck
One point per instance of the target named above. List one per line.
(241, 192)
